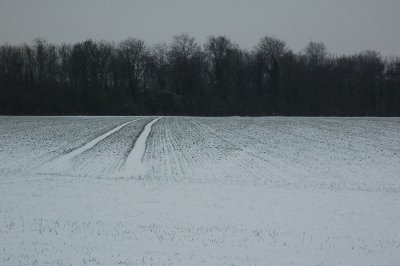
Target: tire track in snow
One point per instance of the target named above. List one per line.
(65, 159)
(133, 164)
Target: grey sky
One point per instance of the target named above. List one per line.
(345, 26)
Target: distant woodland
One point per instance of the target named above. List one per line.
(217, 78)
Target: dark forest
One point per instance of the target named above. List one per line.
(184, 77)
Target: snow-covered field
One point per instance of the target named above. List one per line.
(199, 191)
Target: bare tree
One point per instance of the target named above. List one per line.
(220, 51)
(134, 56)
(159, 55)
(315, 53)
(268, 54)
(185, 57)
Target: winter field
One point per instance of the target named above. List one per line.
(199, 191)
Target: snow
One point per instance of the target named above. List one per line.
(65, 159)
(134, 165)
(242, 191)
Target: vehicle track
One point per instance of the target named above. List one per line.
(134, 165)
(64, 162)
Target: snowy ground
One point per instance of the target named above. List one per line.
(199, 191)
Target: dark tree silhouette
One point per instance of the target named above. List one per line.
(185, 78)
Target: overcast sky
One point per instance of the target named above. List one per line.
(345, 26)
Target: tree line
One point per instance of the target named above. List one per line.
(183, 77)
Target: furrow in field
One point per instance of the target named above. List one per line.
(183, 148)
(209, 157)
(67, 157)
(106, 157)
(311, 153)
(305, 152)
(255, 152)
(30, 142)
(161, 155)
